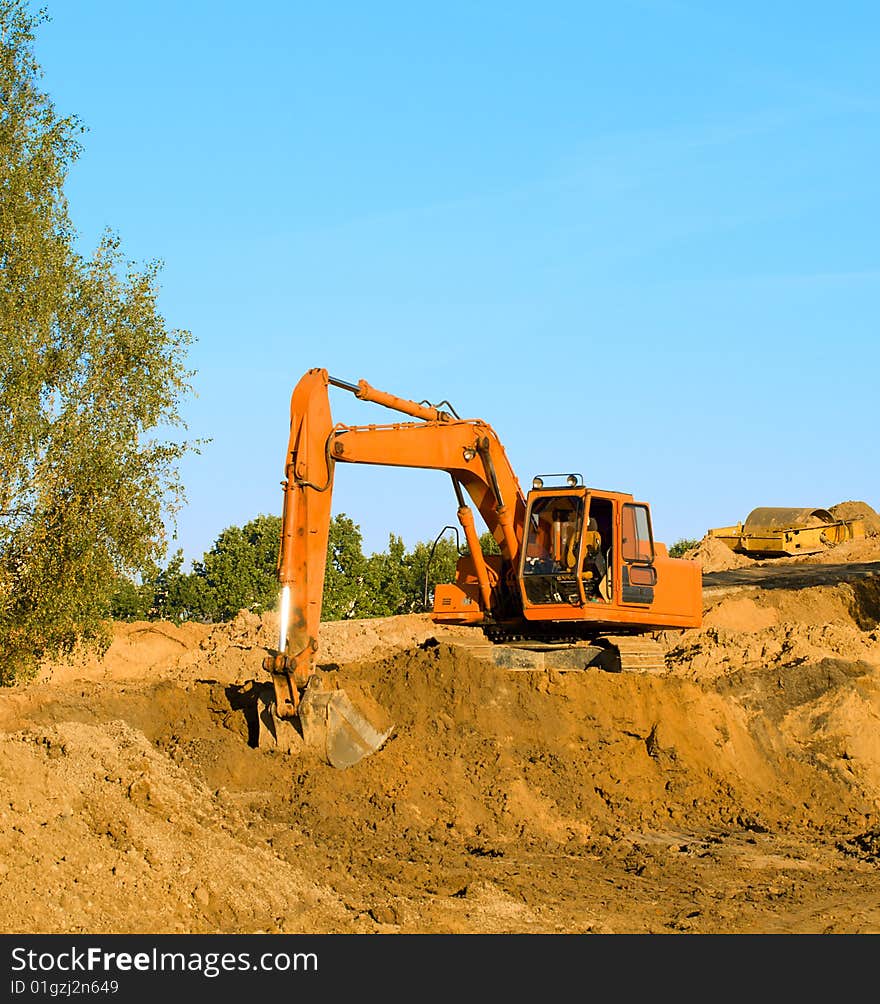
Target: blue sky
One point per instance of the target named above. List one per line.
(639, 239)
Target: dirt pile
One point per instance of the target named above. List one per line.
(715, 556)
(858, 510)
(737, 792)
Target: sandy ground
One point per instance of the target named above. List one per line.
(738, 792)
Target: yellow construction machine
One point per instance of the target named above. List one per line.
(773, 532)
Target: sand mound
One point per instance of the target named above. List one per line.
(716, 556)
(130, 840)
(232, 652)
(739, 792)
(858, 510)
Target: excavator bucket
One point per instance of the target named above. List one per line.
(328, 722)
(333, 725)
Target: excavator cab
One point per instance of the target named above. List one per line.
(569, 555)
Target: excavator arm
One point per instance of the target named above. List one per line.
(467, 449)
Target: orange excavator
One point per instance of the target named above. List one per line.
(577, 568)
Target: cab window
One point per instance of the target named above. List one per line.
(553, 540)
(552, 551)
(636, 540)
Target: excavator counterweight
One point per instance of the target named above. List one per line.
(577, 566)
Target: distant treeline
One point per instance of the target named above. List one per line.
(239, 572)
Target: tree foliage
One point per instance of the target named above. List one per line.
(239, 572)
(89, 372)
(344, 571)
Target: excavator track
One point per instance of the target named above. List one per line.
(637, 653)
(519, 653)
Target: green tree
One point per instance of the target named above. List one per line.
(132, 601)
(89, 374)
(385, 582)
(179, 596)
(238, 573)
(345, 571)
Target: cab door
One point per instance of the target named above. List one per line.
(638, 576)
